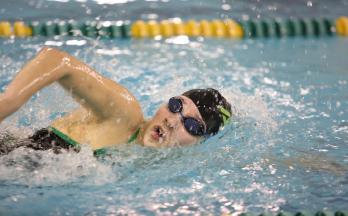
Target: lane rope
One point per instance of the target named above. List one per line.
(228, 28)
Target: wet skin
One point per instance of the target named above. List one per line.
(167, 129)
(109, 113)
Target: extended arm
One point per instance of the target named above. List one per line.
(102, 96)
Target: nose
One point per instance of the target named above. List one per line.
(172, 122)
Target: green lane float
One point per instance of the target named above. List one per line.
(273, 28)
(286, 28)
(50, 29)
(299, 27)
(228, 28)
(74, 28)
(62, 28)
(261, 29)
(115, 31)
(249, 28)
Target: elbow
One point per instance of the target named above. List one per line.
(52, 53)
(49, 50)
(46, 50)
(54, 56)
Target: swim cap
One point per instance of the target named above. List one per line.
(213, 107)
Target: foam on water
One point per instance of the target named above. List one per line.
(43, 168)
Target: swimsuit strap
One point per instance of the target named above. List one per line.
(134, 136)
(64, 137)
(103, 151)
(97, 152)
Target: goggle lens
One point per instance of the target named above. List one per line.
(175, 105)
(192, 125)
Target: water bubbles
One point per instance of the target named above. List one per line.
(226, 7)
(151, 16)
(272, 8)
(53, 43)
(272, 169)
(75, 42)
(245, 17)
(29, 167)
(304, 91)
(181, 40)
(223, 172)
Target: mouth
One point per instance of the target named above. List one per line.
(158, 134)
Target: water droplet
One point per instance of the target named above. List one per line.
(226, 7)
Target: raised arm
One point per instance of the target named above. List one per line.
(102, 96)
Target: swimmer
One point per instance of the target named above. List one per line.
(109, 114)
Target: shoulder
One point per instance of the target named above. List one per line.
(128, 108)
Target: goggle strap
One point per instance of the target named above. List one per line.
(226, 115)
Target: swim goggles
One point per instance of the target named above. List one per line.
(192, 125)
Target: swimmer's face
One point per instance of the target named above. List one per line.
(167, 129)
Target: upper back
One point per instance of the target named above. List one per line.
(84, 127)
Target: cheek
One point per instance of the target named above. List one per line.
(184, 138)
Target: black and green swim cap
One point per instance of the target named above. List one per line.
(213, 107)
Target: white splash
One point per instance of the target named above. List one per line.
(29, 167)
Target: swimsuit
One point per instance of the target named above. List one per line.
(75, 145)
(50, 138)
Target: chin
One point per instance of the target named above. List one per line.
(149, 143)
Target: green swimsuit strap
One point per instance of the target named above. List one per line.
(97, 152)
(132, 138)
(64, 137)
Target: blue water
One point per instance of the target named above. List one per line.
(286, 148)
(163, 9)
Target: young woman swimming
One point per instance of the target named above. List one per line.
(109, 113)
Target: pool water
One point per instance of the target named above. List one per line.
(286, 148)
